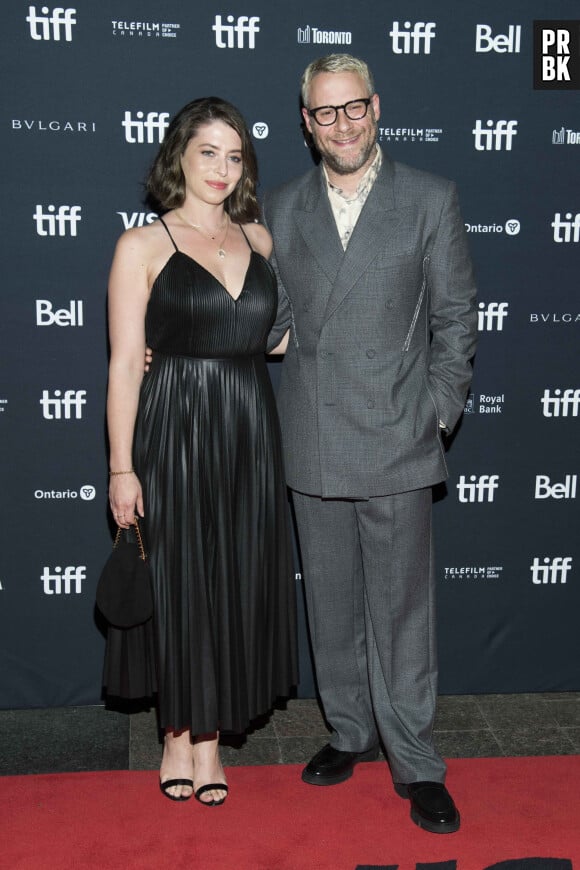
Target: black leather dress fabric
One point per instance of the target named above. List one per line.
(207, 451)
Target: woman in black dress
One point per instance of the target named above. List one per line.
(195, 446)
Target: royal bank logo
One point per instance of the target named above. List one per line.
(483, 404)
(86, 492)
(53, 126)
(477, 489)
(496, 136)
(53, 221)
(236, 32)
(511, 227)
(473, 572)
(260, 130)
(491, 316)
(548, 570)
(145, 128)
(63, 405)
(501, 43)
(63, 581)
(412, 38)
(145, 29)
(55, 25)
(46, 315)
(564, 490)
(314, 35)
(567, 228)
(565, 136)
(410, 134)
(560, 403)
(137, 218)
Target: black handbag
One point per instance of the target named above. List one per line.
(124, 594)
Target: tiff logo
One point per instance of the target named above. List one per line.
(567, 230)
(560, 404)
(51, 221)
(479, 489)
(154, 126)
(552, 570)
(244, 25)
(502, 43)
(51, 25)
(546, 489)
(60, 581)
(61, 407)
(45, 316)
(494, 138)
(407, 41)
(492, 316)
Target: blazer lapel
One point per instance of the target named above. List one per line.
(316, 224)
(377, 221)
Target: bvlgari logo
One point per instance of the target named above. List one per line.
(53, 125)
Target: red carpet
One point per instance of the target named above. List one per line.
(512, 809)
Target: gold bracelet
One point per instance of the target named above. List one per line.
(115, 473)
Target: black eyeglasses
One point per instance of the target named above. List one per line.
(327, 115)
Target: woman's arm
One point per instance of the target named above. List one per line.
(128, 295)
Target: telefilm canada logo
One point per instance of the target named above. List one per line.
(473, 572)
(410, 134)
(145, 29)
(314, 35)
(556, 56)
(51, 25)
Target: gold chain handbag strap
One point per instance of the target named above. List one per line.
(142, 553)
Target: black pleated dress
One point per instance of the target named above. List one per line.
(207, 451)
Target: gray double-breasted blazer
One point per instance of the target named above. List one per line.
(382, 334)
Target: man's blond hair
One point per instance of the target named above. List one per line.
(334, 63)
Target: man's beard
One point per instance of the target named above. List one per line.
(343, 165)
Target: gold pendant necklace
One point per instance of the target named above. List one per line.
(221, 252)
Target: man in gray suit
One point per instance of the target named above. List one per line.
(377, 287)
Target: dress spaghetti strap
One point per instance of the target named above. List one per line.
(246, 238)
(169, 234)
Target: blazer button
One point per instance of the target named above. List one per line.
(371, 353)
(371, 404)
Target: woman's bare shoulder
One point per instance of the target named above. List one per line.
(260, 238)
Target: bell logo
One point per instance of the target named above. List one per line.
(61, 407)
(235, 33)
(546, 489)
(60, 581)
(407, 40)
(479, 489)
(492, 316)
(501, 43)
(494, 138)
(72, 316)
(51, 25)
(150, 130)
(551, 570)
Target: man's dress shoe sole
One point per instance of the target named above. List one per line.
(335, 779)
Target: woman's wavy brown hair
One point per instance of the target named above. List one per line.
(166, 182)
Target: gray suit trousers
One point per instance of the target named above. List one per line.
(369, 581)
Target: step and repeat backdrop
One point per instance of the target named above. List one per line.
(486, 93)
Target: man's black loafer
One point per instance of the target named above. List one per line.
(432, 807)
(331, 766)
